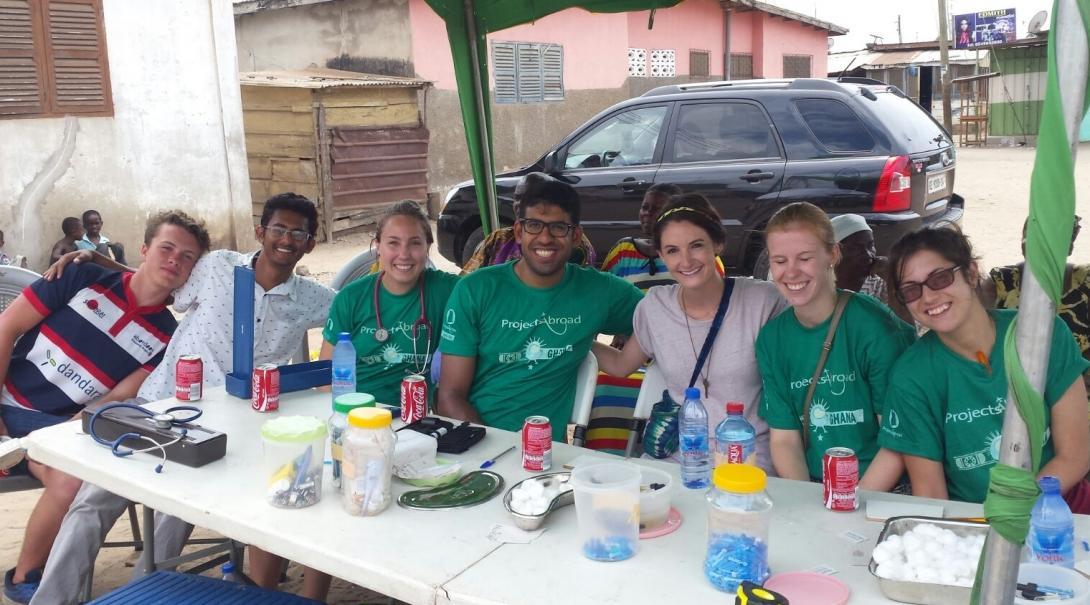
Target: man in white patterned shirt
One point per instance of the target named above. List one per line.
(285, 307)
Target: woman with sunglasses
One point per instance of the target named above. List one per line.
(844, 407)
(393, 315)
(947, 393)
(673, 321)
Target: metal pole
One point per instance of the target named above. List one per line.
(944, 58)
(1035, 311)
(726, 41)
(489, 184)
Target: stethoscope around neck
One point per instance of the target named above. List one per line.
(382, 334)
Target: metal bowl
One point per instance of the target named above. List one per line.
(564, 498)
(924, 593)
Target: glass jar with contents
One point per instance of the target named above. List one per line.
(338, 424)
(739, 513)
(294, 449)
(368, 461)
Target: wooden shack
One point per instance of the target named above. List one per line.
(348, 141)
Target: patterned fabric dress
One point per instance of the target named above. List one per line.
(1074, 307)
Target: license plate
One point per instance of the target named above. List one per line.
(936, 183)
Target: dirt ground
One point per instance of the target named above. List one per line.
(994, 183)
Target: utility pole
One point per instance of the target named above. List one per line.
(899, 39)
(944, 58)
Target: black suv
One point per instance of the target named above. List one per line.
(751, 146)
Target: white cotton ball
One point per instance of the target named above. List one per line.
(918, 558)
(881, 555)
(911, 542)
(927, 574)
(885, 571)
(894, 542)
(908, 573)
(932, 548)
(948, 539)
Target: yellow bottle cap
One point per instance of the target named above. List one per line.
(370, 418)
(739, 478)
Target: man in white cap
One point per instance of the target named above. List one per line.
(860, 267)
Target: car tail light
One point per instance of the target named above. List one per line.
(894, 191)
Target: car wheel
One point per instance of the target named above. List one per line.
(475, 238)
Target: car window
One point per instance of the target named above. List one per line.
(908, 122)
(722, 131)
(835, 125)
(625, 139)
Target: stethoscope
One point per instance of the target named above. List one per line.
(163, 420)
(382, 334)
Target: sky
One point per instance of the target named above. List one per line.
(919, 19)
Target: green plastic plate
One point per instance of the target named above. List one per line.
(471, 490)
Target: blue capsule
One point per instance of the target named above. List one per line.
(733, 558)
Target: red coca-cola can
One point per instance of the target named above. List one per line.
(266, 388)
(840, 477)
(414, 398)
(189, 378)
(537, 444)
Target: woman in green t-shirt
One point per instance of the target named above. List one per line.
(948, 392)
(394, 315)
(846, 404)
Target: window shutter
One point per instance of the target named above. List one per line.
(20, 69)
(78, 52)
(552, 57)
(503, 72)
(530, 76)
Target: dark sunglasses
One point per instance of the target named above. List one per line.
(296, 234)
(556, 229)
(939, 279)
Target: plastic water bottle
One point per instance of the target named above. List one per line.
(735, 438)
(1051, 536)
(693, 440)
(228, 571)
(344, 366)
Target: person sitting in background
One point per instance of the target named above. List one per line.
(1003, 289)
(635, 259)
(672, 321)
(94, 239)
(860, 268)
(501, 245)
(947, 393)
(73, 231)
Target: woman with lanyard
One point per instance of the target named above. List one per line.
(825, 361)
(701, 330)
(948, 392)
(393, 315)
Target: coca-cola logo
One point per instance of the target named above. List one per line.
(418, 396)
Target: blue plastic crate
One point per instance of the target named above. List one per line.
(172, 588)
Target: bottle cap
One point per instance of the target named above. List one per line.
(370, 418)
(346, 402)
(739, 478)
(1049, 484)
(736, 407)
(692, 393)
(344, 336)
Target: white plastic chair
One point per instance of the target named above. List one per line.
(654, 383)
(586, 379)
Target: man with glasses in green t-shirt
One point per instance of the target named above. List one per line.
(514, 334)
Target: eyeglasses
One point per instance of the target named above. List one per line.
(296, 234)
(939, 279)
(556, 229)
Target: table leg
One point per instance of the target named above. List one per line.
(147, 558)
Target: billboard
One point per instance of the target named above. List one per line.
(986, 28)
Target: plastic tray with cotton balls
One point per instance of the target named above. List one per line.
(927, 561)
(531, 500)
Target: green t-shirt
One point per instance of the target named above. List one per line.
(380, 366)
(529, 342)
(944, 407)
(849, 395)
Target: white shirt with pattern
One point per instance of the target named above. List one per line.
(282, 316)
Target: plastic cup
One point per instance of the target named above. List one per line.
(294, 455)
(607, 504)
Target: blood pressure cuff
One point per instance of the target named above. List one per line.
(451, 439)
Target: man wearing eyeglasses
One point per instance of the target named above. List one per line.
(514, 334)
(285, 307)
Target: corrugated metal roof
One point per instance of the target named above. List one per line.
(868, 59)
(325, 78)
(772, 9)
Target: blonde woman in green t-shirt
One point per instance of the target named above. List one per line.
(846, 406)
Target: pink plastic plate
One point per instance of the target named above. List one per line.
(809, 588)
(673, 521)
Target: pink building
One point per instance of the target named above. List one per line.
(547, 77)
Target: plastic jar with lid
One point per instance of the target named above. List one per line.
(368, 461)
(338, 424)
(739, 513)
(294, 456)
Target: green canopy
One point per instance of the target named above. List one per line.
(468, 22)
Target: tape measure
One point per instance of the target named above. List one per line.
(752, 594)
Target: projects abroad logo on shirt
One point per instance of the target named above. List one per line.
(534, 352)
(556, 325)
(449, 331)
(822, 418)
(838, 383)
(968, 416)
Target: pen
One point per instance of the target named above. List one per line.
(492, 460)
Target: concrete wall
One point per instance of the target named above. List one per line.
(175, 140)
(369, 36)
(774, 37)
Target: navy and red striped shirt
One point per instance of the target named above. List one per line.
(93, 336)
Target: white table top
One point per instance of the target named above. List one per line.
(445, 556)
